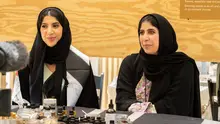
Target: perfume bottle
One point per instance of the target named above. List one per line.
(74, 111)
(110, 114)
(47, 112)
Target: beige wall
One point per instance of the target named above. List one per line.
(108, 28)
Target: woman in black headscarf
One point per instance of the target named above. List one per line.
(46, 75)
(158, 79)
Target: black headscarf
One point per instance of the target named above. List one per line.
(156, 65)
(161, 68)
(41, 53)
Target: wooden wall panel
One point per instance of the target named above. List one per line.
(109, 28)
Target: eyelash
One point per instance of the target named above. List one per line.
(54, 26)
(149, 32)
(43, 26)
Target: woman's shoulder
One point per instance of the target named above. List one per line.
(188, 65)
(187, 60)
(132, 63)
(76, 54)
(131, 58)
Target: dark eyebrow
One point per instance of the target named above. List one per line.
(151, 29)
(56, 23)
(52, 23)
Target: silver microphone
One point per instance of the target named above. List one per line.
(13, 56)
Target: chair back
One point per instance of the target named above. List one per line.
(213, 101)
(99, 85)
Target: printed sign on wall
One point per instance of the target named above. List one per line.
(200, 9)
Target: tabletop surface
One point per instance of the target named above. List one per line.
(148, 118)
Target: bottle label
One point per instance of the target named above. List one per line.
(109, 117)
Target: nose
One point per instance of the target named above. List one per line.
(50, 30)
(146, 37)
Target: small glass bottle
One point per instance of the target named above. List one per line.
(110, 113)
(64, 111)
(60, 114)
(110, 107)
(47, 112)
(71, 114)
(74, 111)
(53, 111)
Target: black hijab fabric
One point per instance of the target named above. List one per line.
(161, 68)
(41, 53)
(156, 65)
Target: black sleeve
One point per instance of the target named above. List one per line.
(88, 97)
(180, 95)
(24, 82)
(125, 91)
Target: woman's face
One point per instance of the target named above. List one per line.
(51, 30)
(149, 38)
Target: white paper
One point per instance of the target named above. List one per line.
(95, 112)
(210, 122)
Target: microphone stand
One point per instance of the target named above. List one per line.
(5, 98)
(3, 80)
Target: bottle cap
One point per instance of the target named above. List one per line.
(111, 105)
(70, 112)
(25, 105)
(112, 122)
(47, 108)
(73, 108)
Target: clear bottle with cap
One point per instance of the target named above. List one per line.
(64, 111)
(51, 103)
(71, 114)
(53, 111)
(59, 112)
(110, 107)
(74, 111)
(47, 112)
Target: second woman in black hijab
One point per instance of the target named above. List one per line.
(158, 79)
